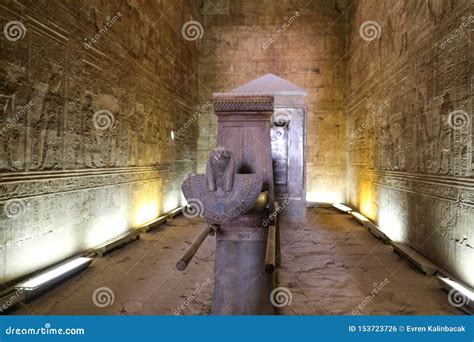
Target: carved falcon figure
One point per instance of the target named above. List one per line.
(221, 195)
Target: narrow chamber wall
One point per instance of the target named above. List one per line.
(410, 125)
(90, 93)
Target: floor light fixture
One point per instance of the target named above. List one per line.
(359, 217)
(342, 207)
(53, 275)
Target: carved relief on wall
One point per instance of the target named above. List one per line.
(418, 136)
(66, 86)
(420, 173)
(81, 129)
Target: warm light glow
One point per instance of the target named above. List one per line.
(324, 197)
(368, 201)
(360, 217)
(369, 208)
(154, 220)
(146, 212)
(463, 268)
(34, 254)
(342, 207)
(172, 200)
(107, 227)
(182, 200)
(460, 288)
(391, 225)
(47, 276)
(172, 135)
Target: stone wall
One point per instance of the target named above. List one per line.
(89, 95)
(409, 125)
(301, 41)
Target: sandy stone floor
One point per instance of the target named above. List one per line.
(330, 265)
(142, 277)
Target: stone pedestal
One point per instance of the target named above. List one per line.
(241, 285)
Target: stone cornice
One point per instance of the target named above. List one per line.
(225, 102)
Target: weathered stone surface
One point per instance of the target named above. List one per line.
(423, 264)
(89, 95)
(333, 266)
(410, 126)
(325, 265)
(90, 92)
(142, 278)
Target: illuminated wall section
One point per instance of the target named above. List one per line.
(310, 52)
(86, 150)
(410, 127)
